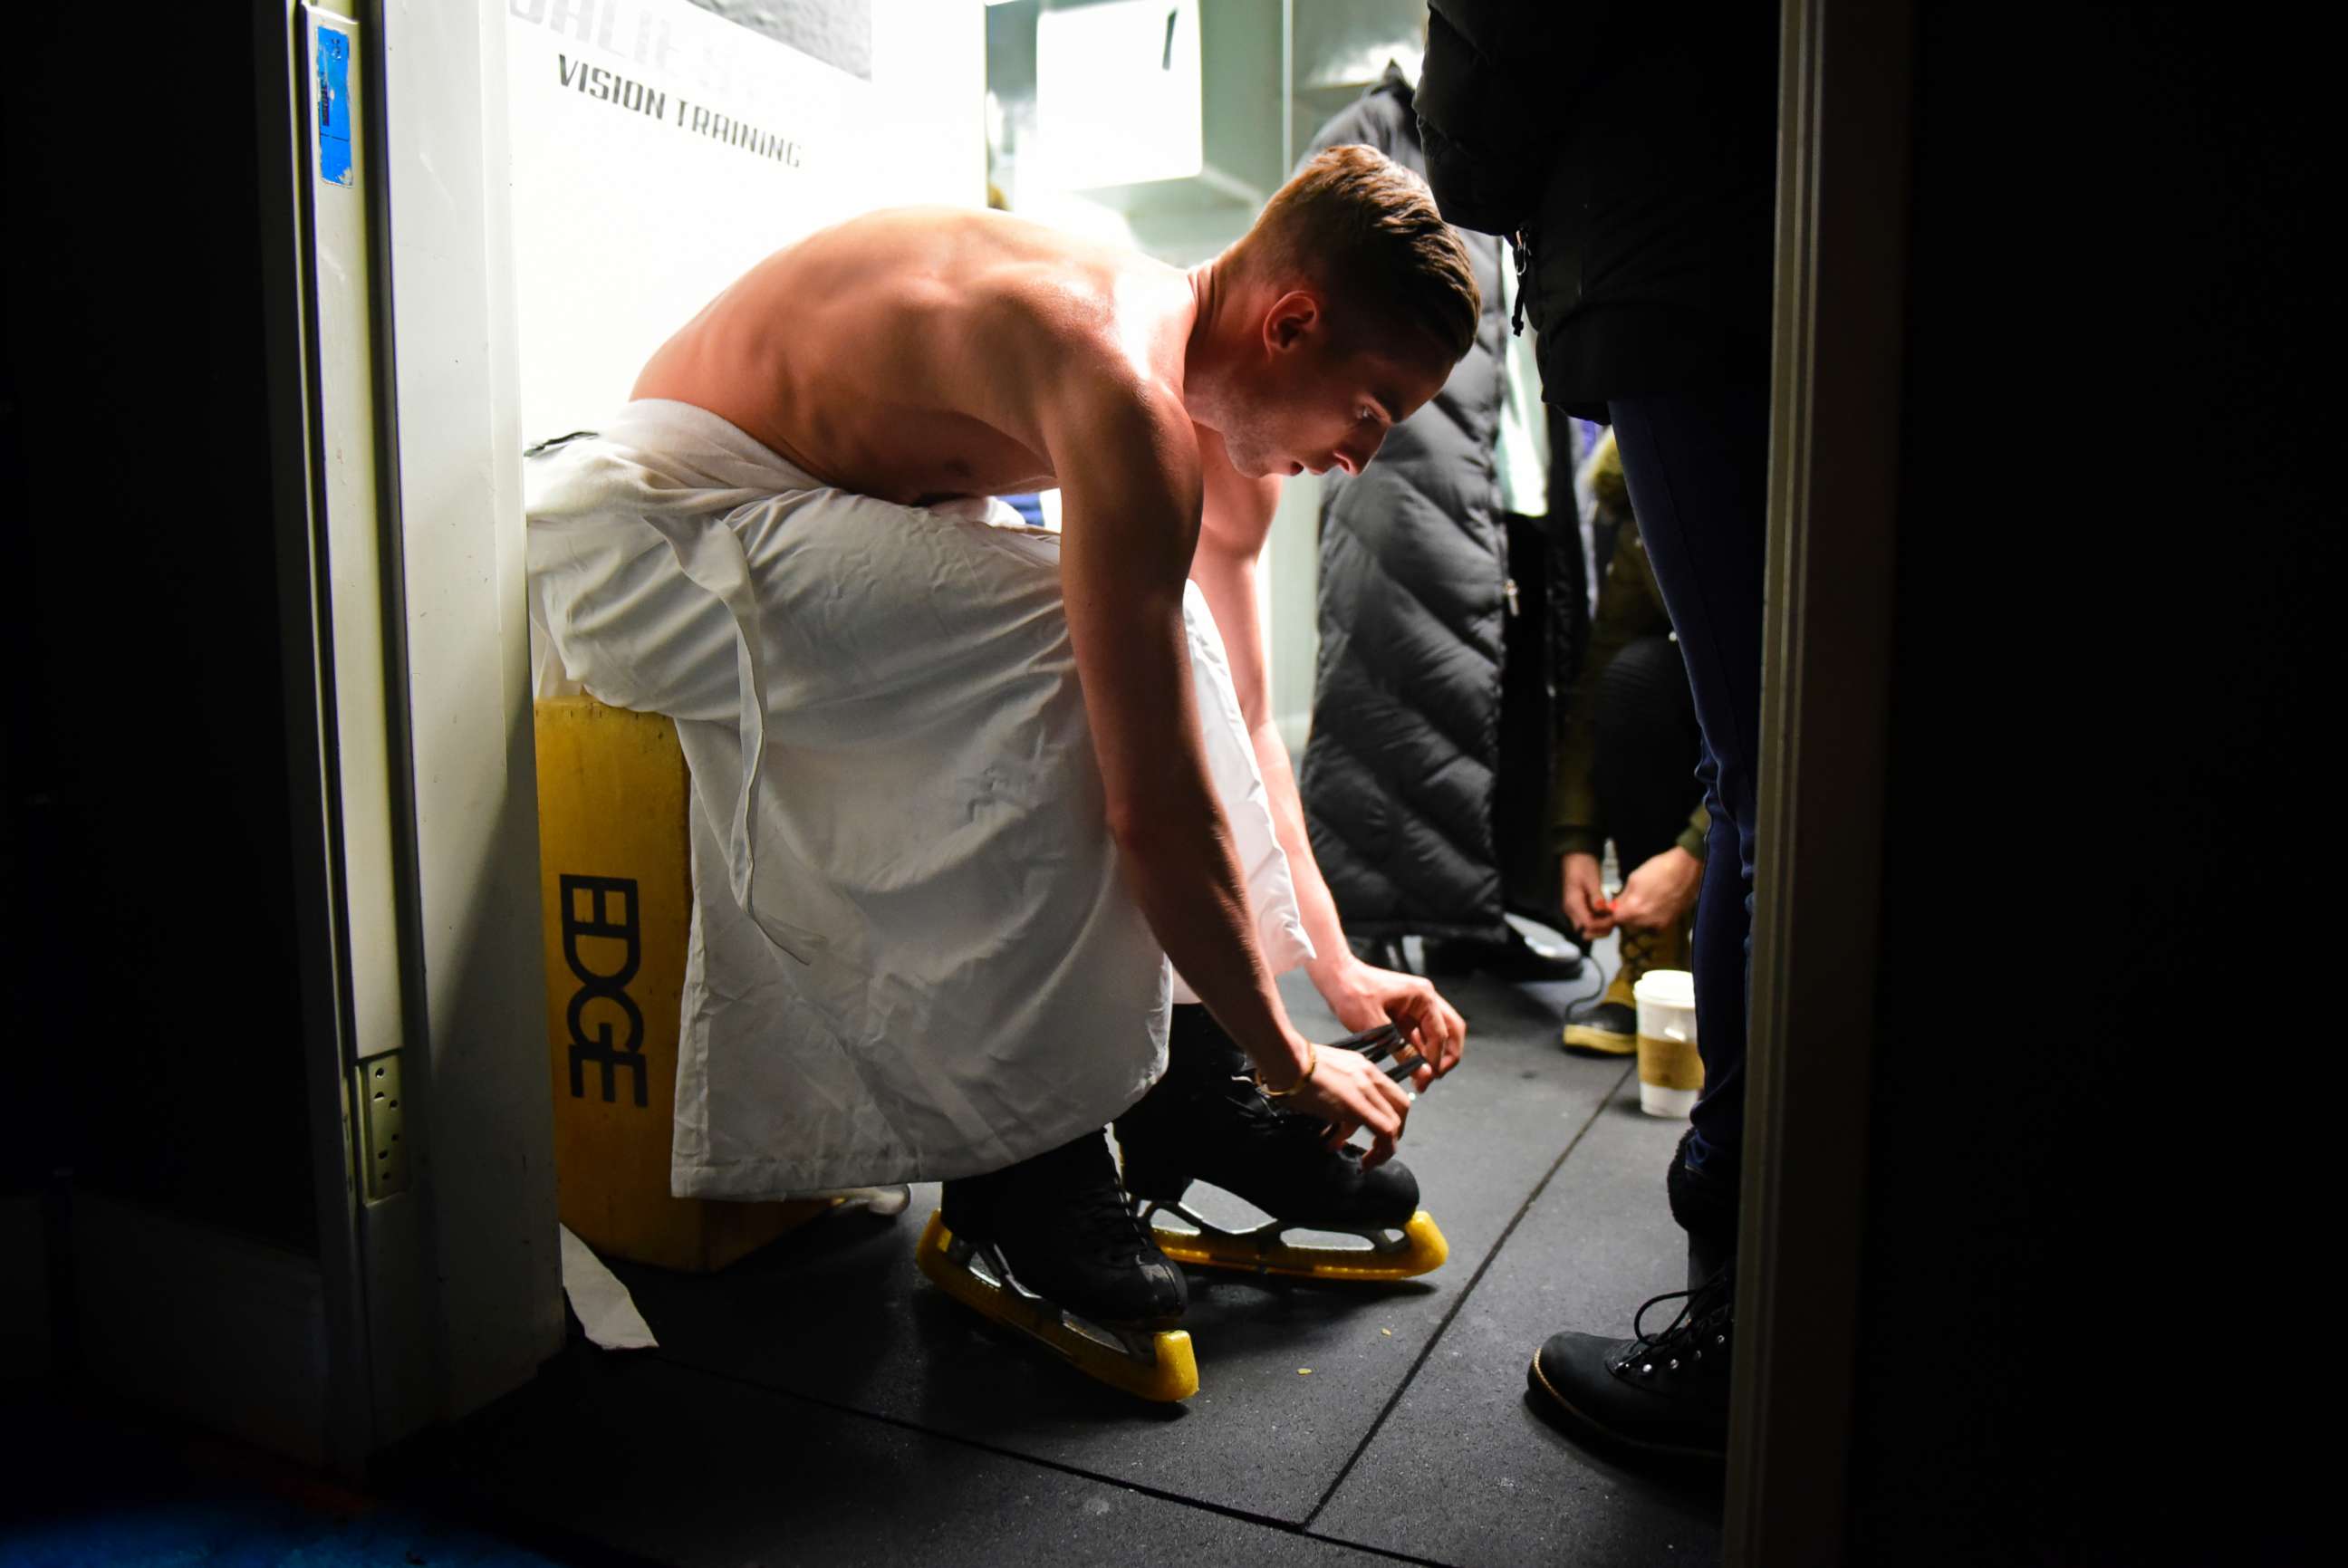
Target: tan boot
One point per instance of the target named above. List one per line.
(1609, 1025)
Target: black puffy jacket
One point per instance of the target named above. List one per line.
(1630, 149)
(1398, 773)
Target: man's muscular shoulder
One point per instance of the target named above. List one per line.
(1077, 337)
(1108, 420)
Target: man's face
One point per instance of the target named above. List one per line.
(1315, 405)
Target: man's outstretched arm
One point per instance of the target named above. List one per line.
(1129, 466)
(1237, 520)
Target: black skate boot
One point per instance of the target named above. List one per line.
(1062, 1224)
(1049, 1247)
(1207, 1120)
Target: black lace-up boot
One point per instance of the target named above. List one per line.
(1063, 1226)
(1511, 957)
(1665, 1393)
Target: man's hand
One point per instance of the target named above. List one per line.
(1585, 896)
(1363, 996)
(1660, 893)
(1349, 1091)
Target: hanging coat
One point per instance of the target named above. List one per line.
(1631, 155)
(1399, 771)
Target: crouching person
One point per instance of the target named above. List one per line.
(961, 788)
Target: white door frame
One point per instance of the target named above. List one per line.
(477, 955)
(408, 696)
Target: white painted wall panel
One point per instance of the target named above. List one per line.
(658, 151)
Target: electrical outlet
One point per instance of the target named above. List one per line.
(383, 1148)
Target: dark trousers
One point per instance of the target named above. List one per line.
(1647, 747)
(1698, 464)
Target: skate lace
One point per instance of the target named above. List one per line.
(1700, 1329)
(1102, 1219)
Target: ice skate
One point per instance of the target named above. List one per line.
(1207, 1120)
(1048, 1247)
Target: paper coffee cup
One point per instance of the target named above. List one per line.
(1670, 1070)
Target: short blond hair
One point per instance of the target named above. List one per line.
(1365, 229)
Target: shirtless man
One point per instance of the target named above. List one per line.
(897, 365)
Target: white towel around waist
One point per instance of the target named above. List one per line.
(913, 955)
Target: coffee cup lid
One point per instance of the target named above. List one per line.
(1666, 988)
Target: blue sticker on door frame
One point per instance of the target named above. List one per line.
(333, 90)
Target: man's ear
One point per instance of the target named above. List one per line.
(1293, 317)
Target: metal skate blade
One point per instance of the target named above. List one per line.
(1416, 1249)
(1157, 1365)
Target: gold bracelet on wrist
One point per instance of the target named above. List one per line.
(1311, 1061)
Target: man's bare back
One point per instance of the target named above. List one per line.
(899, 355)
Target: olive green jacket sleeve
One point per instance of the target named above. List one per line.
(1630, 606)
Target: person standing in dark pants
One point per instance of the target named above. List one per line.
(1629, 154)
(1625, 773)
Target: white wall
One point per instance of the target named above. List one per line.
(658, 151)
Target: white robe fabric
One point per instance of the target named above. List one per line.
(913, 956)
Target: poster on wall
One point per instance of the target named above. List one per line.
(658, 151)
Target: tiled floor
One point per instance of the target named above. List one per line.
(820, 1402)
